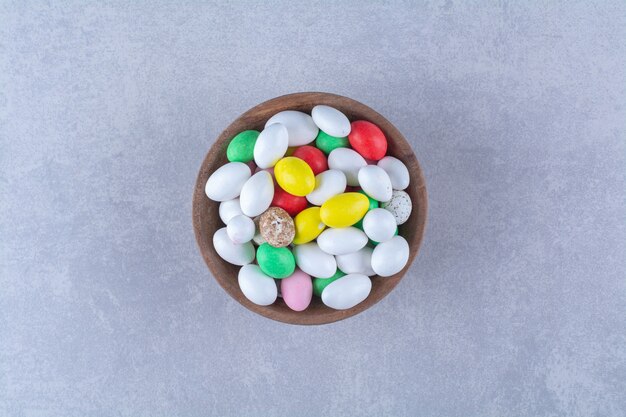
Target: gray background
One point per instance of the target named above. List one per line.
(515, 306)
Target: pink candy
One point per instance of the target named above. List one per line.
(297, 290)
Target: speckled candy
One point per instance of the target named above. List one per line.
(277, 227)
(400, 206)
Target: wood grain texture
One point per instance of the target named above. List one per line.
(206, 218)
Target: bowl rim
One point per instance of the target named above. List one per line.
(418, 194)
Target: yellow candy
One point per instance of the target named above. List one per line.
(344, 210)
(308, 225)
(294, 176)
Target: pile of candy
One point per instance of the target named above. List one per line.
(323, 218)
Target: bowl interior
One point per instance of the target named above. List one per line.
(206, 217)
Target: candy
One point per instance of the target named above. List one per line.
(368, 140)
(373, 204)
(327, 184)
(320, 283)
(256, 285)
(327, 143)
(374, 243)
(400, 206)
(344, 210)
(314, 261)
(390, 257)
(257, 194)
(347, 161)
(240, 229)
(347, 292)
(308, 225)
(277, 227)
(379, 225)
(236, 254)
(271, 145)
(227, 181)
(397, 171)
(313, 157)
(292, 204)
(341, 241)
(331, 120)
(297, 290)
(375, 182)
(356, 262)
(229, 209)
(294, 176)
(265, 188)
(275, 262)
(301, 127)
(241, 147)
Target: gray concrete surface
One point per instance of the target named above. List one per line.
(516, 305)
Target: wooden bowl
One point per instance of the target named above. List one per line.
(206, 218)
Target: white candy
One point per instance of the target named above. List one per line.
(375, 182)
(341, 240)
(231, 252)
(271, 145)
(327, 184)
(301, 127)
(256, 286)
(390, 257)
(347, 291)
(397, 171)
(331, 121)
(257, 194)
(240, 229)
(357, 262)
(314, 261)
(229, 209)
(227, 181)
(379, 225)
(347, 161)
(400, 206)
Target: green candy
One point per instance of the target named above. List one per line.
(327, 143)
(373, 204)
(241, 147)
(374, 243)
(275, 262)
(320, 283)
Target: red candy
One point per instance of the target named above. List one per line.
(313, 157)
(367, 139)
(290, 203)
